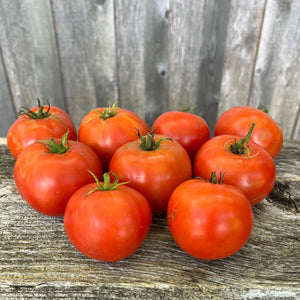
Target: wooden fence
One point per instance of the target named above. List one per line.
(151, 55)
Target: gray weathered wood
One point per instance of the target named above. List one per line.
(243, 35)
(142, 36)
(37, 260)
(211, 61)
(7, 111)
(197, 35)
(276, 77)
(152, 56)
(29, 52)
(86, 40)
(185, 41)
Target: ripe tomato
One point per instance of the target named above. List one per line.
(105, 129)
(209, 221)
(190, 130)
(154, 165)
(253, 173)
(39, 123)
(237, 120)
(46, 180)
(107, 222)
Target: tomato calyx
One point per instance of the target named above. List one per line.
(214, 179)
(40, 114)
(108, 112)
(106, 186)
(148, 142)
(58, 148)
(263, 108)
(239, 147)
(186, 108)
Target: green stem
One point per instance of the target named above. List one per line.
(263, 108)
(40, 114)
(106, 186)
(108, 112)
(186, 108)
(148, 142)
(214, 178)
(239, 147)
(60, 148)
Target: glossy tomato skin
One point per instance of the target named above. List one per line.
(154, 173)
(190, 130)
(48, 180)
(209, 221)
(24, 131)
(255, 177)
(107, 225)
(105, 136)
(237, 121)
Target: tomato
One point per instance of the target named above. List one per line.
(190, 130)
(106, 129)
(107, 222)
(209, 221)
(253, 173)
(237, 120)
(154, 165)
(46, 180)
(39, 123)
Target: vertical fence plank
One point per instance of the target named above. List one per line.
(211, 59)
(242, 41)
(197, 36)
(142, 56)
(277, 79)
(29, 52)
(86, 40)
(185, 41)
(7, 112)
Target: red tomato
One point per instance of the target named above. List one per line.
(237, 120)
(110, 223)
(154, 172)
(106, 129)
(47, 180)
(39, 123)
(190, 130)
(209, 221)
(254, 175)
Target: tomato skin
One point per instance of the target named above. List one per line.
(105, 136)
(209, 221)
(48, 180)
(190, 130)
(255, 177)
(154, 173)
(237, 120)
(24, 131)
(107, 225)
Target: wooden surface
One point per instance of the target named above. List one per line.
(151, 56)
(37, 260)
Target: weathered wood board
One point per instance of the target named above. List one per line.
(38, 261)
(152, 56)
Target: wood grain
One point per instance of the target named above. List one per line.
(243, 36)
(29, 52)
(276, 79)
(185, 41)
(38, 261)
(211, 61)
(152, 56)
(7, 111)
(142, 36)
(85, 33)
